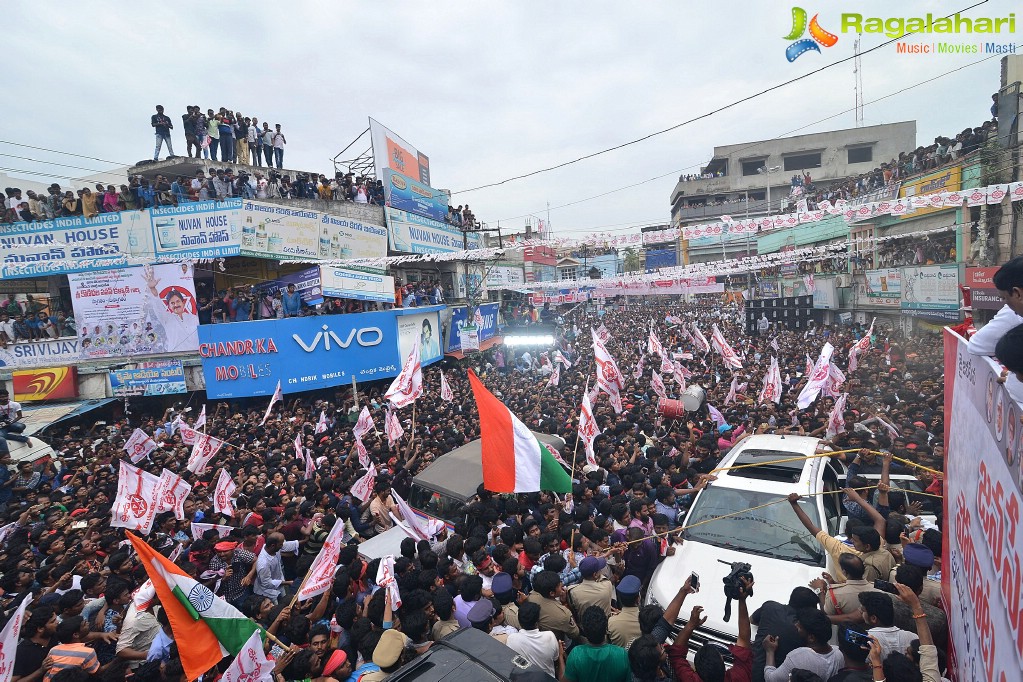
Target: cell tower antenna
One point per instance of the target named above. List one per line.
(858, 79)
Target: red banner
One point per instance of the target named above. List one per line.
(46, 384)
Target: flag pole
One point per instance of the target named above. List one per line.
(578, 438)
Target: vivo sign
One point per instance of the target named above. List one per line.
(365, 337)
(303, 353)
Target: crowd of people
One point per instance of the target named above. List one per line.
(238, 138)
(559, 580)
(32, 320)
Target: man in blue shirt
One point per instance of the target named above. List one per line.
(292, 302)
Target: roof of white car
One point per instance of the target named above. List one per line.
(769, 448)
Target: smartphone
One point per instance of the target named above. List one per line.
(78, 525)
(885, 586)
(856, 638)
(694, 580)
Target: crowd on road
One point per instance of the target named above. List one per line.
(560, 580)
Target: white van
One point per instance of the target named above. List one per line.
(770, 539)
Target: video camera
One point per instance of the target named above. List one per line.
(733, 583)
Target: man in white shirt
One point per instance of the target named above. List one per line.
(1009, 282)
(10, 422)
(180, 326)
(270, 580)
(542, 649)
(877, 611)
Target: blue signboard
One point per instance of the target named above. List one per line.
(406, 194)
(160, 378)
(660, 258)
(459, 317)
(307, 284)
(305, 353)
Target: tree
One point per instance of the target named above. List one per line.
(633, 262)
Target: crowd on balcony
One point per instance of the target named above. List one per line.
(942, 152)
(462, 217)
(690, 177)
(32, 320)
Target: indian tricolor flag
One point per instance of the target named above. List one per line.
(206, 627)
(514, 461)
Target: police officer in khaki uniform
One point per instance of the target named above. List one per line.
(554, 615)
(505, 592)
(623, 627)
(594, 590)
(841, 601)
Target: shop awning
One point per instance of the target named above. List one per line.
(39, 417)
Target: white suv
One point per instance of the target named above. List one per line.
(770, 539)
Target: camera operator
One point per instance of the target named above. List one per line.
(709, 663)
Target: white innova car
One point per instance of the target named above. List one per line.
(772, 540)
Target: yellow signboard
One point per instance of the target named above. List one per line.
(947, 179)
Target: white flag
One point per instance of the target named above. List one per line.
(135, 504)
(410, 522)
(275, 398)
(667, 367)
(588, 429)
(700, 339)
(555, 375)
(199, 528)
(657, 383)
(774, 344)
(730, 398)
(205, 449)
(716, 415)
(139, 446)
(188, 435)
(408, 385)
(360, 448)
(836, 422)
(809, 366)
(251, 664)
(200, 421)
(653, 344)
(608, 377)
(321, 424)
(222, 494)
(172, 494)
(724, 350)
(445, 390)
(817, 379)
(602, 333)
(362, 489)
(772, 389)
(833, 386)
(559, 357)
(393, 428)
(9, 640)
(321, 572)
(365, 423)
(387, 579)
(639, 368)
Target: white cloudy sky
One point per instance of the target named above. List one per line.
(488, 89)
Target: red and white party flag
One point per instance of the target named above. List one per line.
(205, 448)
(251, 664)
(223, 492)
(774, 344)
(854, 354)
(588, 429)
(321, 424)
(172, 494)
(320, 576)
(445, 390)
(363, 453)
(818, 378)
(560, 357)
(410, 522)
(393, 428)
(657, 383)
(733, 389)
(809, 366)
(387, 579)
(723, 349)
(199, 529)
(274, 399)
(188, 435)
(9, 640)
(700, 340)
(666, 365)
(716, 415)
(608, 377)
(408, 385)
(135, 504)
(771, 391)
(200, 421)
(555, 375)
(365, 423)
(653, 344)
(139, 446)
(362, 489)
(639, 368)
(310, 465)
(836, 423)
(836, 377)
(602, 333)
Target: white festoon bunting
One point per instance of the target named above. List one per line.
(700, 340)
(408, 385)
(139, 445)
(387, 579)
(555, 375)
(9, 640)
(364, 424)
(657, 384)
(588, 429)
(392, 425)
(817, 379)
(205, 449)
(771, 390)
(445, 390)
(362, 489)
(251, 664)
(200, 421)
(724, 349)
(321, 573)
(733, 389)
(836, 423)
(173, 491)
(274, 399)
(321, 423)
(223, 492)
(135, 504)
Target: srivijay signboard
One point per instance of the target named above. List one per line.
(306, 353)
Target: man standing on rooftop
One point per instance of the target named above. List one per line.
(162, 125)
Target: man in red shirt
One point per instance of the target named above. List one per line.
(709, 662)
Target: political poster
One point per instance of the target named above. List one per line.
(144, 310)
(884, 287)
(982, 569)
(425, 326)
(165, 377)
(460, 322)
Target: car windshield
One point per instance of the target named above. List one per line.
(771, 531)
(436, 505)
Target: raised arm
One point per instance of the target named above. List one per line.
(671, 613)
(875, 516)
(801, 515)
